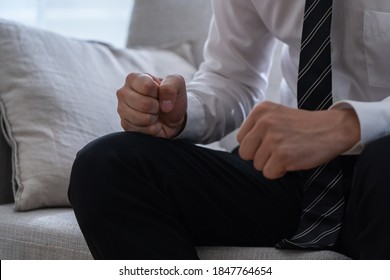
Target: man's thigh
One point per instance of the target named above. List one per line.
(221, 199)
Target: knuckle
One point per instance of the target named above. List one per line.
(148, 120)
(266, 107)
(278, 154)
(176, 77)
(275, 139)
(269, 105)
(173, 85)
(125, 125)
(120, 93)
(268, 121)
(146, 105)
(258, 165)
(167, 88)
(119, 110)
(244, 154)
(153, 130)
(131, 77)
(283, 152)
(263, 106)
(148, 85)
(283, 157)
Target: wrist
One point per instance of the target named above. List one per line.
(181, 127)
(348, 128)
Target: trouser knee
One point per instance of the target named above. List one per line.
(100, 163)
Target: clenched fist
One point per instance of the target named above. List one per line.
(153, 106)
(280, 139)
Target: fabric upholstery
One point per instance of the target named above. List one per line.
(265, 253)
(54, 234)
(170, 23)
(47, 234)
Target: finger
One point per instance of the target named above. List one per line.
(139, 119)
(254, 117)
(143, 104)
(153, 130)
(274, 168)
(262, 156)
(143, 84)
(169, 89)
(249, 145)
(137, 109)
(245, 128)
(128, 98)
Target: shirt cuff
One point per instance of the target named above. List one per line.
(196, 120)
(372, 118)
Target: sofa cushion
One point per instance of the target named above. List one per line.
(178, 23)
(265, 253)
(44, 234)
(56, 95)
(52, 234)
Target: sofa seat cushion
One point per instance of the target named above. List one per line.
(264, 253)
(48, 234)
(53, 234)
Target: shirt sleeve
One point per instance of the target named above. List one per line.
(374, 119)
(233, 76)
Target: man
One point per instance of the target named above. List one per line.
(148, 193)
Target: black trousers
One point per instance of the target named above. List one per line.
(139, 197)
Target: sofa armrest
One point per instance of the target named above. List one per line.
(6, 193)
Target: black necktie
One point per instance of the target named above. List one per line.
(323, 200)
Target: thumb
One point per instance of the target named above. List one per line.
(169, 88)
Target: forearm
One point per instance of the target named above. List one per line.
(232, 78)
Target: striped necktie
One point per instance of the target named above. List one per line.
(323, 200)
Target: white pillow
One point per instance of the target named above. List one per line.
(56, 95)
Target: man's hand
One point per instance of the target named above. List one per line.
(280, 139)
(153, 106)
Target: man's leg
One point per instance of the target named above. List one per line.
(366, 230)
(140, 197)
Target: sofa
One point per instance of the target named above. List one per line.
(52, 104)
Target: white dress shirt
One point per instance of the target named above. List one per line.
(238, 55)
